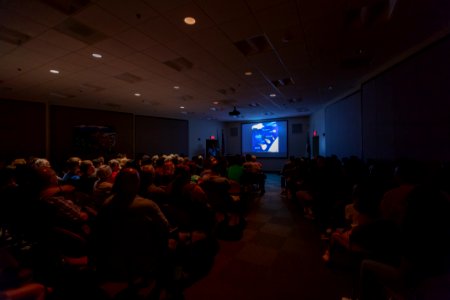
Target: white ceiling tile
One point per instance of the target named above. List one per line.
(223, 11)
(108, 82)
(282, 16)
(8, 76)
(286, 37)
(106, 69)
(165, 6)
(134, 12)
(135, 39)
(114, 47)
(162, 31)
(123, 64)
(35, 10)
(210, 37)
(160, 53)
(229, 55)
(24, 58)
(187, 48)
(80, 60)
(19, 23)
(269, 64)
(47, 49)
(151, 65)
(105, 22)
(149, 79)
(294, 57)
(61, 40)
(256, 5)
(6, 47)
(38, 76)
(240, 29)
(311, 52)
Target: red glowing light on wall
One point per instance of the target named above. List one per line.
(315, 133)
(212, 137)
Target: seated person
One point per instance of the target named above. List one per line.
(423, 268)
(103, 186)
(130, 233)
(253, 173)
(365, 229)
(87, 177)
(17, 283)
(55, 209)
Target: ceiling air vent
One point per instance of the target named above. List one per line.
(283, 82)
(91, 87)
(187, 98)
(179, 64)
(294, 100)
(80, 31)
(227, 91)
(13, 36)
(128, 77)
(68, 7)
(253, 45)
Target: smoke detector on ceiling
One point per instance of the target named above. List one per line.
(234, 112)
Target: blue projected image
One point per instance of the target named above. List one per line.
(265, 137)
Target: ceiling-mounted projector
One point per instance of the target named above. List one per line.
(234, 112)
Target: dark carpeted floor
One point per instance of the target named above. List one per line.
(279, 257)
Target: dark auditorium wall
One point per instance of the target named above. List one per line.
(200, 131)
(160, 135)
(22, 129)
(404, 112)
(343, 126)
(64, 119)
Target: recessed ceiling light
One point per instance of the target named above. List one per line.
(137, 94)
(181, 107)
(54, 71)
(97, 55)
(216, 102)
(176, 87)
(189, 20)
(330, 87)
(248, 73)
(272, 95)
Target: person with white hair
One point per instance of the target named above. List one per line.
(41, 162)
